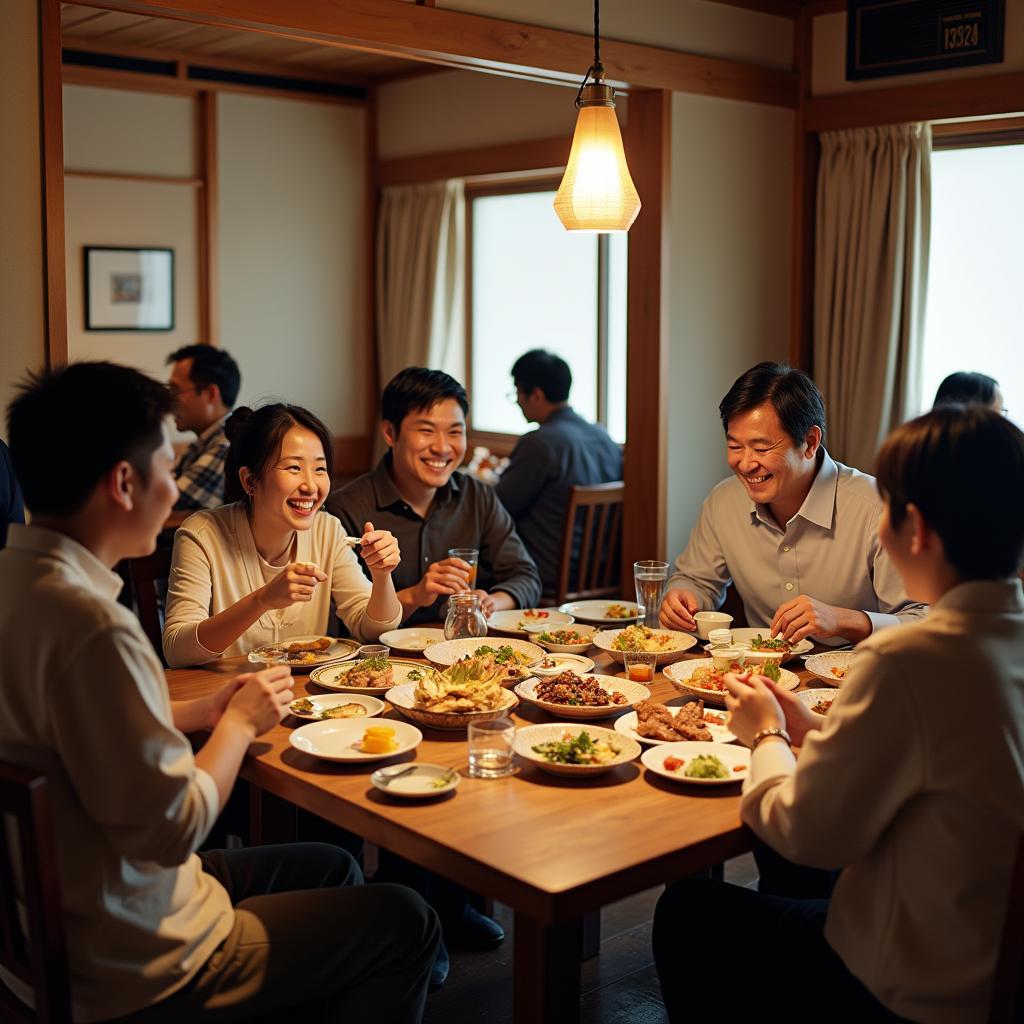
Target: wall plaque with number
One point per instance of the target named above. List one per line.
(900, 37)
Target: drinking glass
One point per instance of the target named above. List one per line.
(465, 617)
(640, 665)
(650, 578)
(490, 748)
(374, 651)
(471, 556)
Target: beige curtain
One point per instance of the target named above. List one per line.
(420, 278)
(871, 276)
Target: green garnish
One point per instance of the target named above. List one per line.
(771, 670)
(706, 766)
(443, 780)
(579, 750)
(760, 643)
(377, 663)
(414, 675)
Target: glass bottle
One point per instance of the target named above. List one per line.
(465, 617)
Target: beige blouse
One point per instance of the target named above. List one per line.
(215, 564)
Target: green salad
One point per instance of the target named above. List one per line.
(706, 766)
(581, 749)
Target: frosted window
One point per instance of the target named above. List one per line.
(976, 272)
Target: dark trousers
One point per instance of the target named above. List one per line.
(781, 877)
(725, 953)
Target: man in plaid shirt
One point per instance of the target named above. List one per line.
(205, 382)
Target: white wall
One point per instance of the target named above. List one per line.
(22, 330)
(829, 56)
(292, 262)
(729, 268)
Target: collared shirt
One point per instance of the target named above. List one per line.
(915, 787)
(215, 564)
(200, 470)
(565, 450)
(83, 698)
(12, 507)
(465, 514)
(829, 551)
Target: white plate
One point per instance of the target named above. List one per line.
(451, 651)
(556, 648)
(338, 739)
(532, 735)
(730, 754)
(741, 638)
(412, 638)
(682, 642)
(633, 692)
(821, 665)
(332, 677)
(422, 782)
(627, 726)
(679, 675)
(524, 621)
(340, 650)
(596, 612)
(324, 701)
(574, 662)
(811, 697)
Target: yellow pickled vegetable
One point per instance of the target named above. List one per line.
(379, 739)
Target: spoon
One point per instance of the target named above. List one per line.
(388, 775)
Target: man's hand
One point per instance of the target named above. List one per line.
(380, 550)
(261, 701)
(295, 583)
(805, 616)
(677, 610)
(449, 576)
(752, 706)
(487, 603)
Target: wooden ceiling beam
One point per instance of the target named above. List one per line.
(478, 43)
(778, 8)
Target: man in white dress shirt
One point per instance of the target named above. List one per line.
(912, 785)
(794, 530)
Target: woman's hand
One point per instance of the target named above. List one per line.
(296, 582)
(260, 700)
(752, 706)
(380, 550)
(800, 719)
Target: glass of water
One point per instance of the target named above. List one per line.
(491, 745)
(650, 578)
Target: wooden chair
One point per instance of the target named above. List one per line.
(1007, 1004)
(144, 574)
(594, 516)
(40, 958)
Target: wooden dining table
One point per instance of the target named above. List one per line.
(554, 849)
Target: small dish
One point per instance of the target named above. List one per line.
(412, 638)
(524, 621)
(586, 640)
(334, 677)
(602, 613)
(812, 698)
(679, 675)
(677, 644)
(719, 731)
(826, 665)
(735, 758)
(561, 663)
(531, 736)
(707, 621)
(336, 650)
(450, 651)
(743, 636)
(339, 739)
(321, 702)
(417, 781)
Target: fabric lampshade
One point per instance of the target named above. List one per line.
(597, 193)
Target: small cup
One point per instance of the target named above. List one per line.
(640, 665)
(471, 556)
(374, 651)
(706, 621)
(720, 637)
(723, 657)
(491, 745)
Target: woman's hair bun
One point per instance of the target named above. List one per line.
(235, 423)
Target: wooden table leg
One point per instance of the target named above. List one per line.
(547, 972)
(272, 820)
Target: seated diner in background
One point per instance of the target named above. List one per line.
(794, 530)
(918, 801)
(12, 506)
(968, 388)
(416, 493)
(265, 567)
(156, 933)
(204, 381)
(565, 450)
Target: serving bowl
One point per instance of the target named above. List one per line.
(681, 643)
(583, 646)
(532, 735)
(821, 665)
(450, 651)
(812, 697)
(633, 692)
(402, 699)
(679, 676)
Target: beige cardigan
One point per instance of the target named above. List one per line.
(215, 564)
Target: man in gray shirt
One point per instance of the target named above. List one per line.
(565, 450)
(795, 531)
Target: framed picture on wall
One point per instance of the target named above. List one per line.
(128, 289)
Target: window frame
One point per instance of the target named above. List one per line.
(497, 442)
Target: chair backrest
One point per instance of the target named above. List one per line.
(1007, 1003)
(40, 958)
(145, 573)
(590, 560)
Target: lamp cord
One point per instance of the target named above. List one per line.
(597, 36)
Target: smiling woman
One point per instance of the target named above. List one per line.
(266, 567)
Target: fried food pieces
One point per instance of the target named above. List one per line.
(656, 722)
(469, 685)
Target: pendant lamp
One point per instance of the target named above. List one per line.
(596, 193)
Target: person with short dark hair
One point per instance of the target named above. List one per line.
(267, 566)
(205, 382)
(12, 506)
(155, 932)
(565, 450)
(919, 803)
(415, 492)
(795, 530)
(967, 388)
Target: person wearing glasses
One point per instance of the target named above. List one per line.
(204, 381)
(968, 388)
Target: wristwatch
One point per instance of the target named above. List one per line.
(765, 733)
